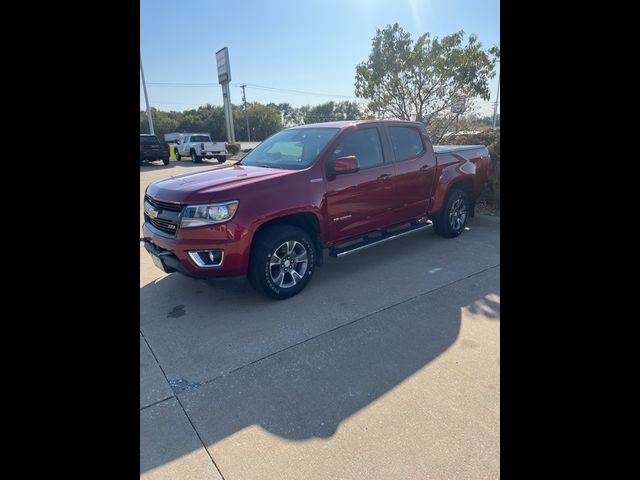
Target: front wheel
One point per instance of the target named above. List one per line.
(282, 261)
(450, 222)
(178, 157)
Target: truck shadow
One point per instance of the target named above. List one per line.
(339, 348)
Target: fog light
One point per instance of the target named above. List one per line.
(207, 258)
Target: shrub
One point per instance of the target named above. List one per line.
(233, 148)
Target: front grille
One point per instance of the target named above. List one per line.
(172, 207)
(168, 216)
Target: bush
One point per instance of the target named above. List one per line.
(490, 138)
(233, 148)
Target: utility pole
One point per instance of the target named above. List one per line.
(246, 115)
(146, 99)
(495, 107)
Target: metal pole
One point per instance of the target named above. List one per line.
(246, 115)
(495, 107)
(228, 112)
(146, 99)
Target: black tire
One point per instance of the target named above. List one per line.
(276, 240)
(450, 222)
(221, 159)
(178, 157)
(195, 158)
(165, 161)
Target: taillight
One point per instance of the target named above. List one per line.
(226, 145)
(202, 146)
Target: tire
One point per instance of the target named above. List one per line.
(275, 278)
(195, 158)
(165, 161)
(221, 159)
(450, 222)
(178, 157)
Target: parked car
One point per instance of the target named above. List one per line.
(152, 149)
(339, 186)
(199, 146)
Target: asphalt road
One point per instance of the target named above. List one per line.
(386, 366)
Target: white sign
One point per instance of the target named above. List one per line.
(222, 60)
(459, 105)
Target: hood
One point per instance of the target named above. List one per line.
(211, 185)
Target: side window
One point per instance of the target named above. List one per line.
(364, 144)
(406, 142)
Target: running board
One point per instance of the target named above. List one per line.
(366, 243)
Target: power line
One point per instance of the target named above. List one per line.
(259, 87)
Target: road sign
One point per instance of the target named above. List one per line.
(459, 104)
(224, 70)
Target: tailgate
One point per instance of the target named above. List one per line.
(214, 146)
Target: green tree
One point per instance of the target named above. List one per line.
(419, 80)
(264, 121)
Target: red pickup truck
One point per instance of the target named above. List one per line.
(339, 186)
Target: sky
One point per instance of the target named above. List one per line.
(309, 46)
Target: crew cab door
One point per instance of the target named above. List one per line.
(362, 201)
(415, 165)
(181, 146)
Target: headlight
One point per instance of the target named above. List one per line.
(199, 215)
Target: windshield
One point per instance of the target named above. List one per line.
(148, 140)
(200, 138)
(292, 149)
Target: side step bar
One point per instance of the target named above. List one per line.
(368, 242)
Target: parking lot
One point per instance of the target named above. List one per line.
(386, 366)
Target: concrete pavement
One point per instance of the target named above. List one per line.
(387, 365)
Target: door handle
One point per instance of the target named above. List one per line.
(384, 176)
(424, 167)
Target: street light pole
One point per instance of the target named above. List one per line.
(146, 99)
(246, 115)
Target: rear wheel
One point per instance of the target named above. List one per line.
(195, 158)
(282, 261)
(178, 157)
(221, 159)
(165, 161)
(450, 222)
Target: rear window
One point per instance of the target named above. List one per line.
(200, 138)
(406, 142)
(148, 140)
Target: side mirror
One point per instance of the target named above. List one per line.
(341, 165)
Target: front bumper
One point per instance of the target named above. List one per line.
(172, 253)
(145, 157)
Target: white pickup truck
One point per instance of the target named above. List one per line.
(199, 146)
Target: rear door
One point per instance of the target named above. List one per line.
(360, 202)
(415, 165)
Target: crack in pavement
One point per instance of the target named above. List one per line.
(181, 407)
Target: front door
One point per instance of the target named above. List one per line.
(363, 201)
